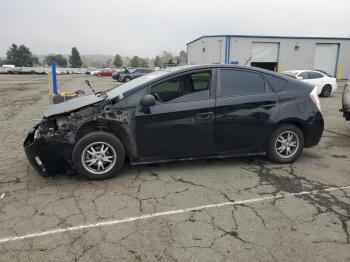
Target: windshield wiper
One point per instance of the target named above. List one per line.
(89, 85)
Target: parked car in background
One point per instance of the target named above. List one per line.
(178, 113)
(133, 73)
(346, 101)
(115, 75)
(94, 72)
(106, 72)
(325, 83)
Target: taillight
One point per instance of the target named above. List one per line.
(314, 97)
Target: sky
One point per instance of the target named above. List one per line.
(146, 27)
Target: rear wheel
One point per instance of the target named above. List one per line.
(285, 144)
(326, 91)
(98, 155)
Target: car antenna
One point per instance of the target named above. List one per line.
(88, 83)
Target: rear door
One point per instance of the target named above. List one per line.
(316, 79)
(246, 108)
(181, 124)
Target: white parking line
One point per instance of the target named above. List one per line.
(166, 213)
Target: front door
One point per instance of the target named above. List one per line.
(245, 110)
(181, 124)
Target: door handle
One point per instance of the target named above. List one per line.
(268, 106)
(205, 115)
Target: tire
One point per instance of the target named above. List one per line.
(90, 150)
(275, 150)
(326, 91)
(99, 75)
(127, 79)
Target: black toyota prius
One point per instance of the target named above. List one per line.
(206, 111)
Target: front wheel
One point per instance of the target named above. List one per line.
(285, 144)
(98, 155)
(127, 79)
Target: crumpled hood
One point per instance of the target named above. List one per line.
(71, 105)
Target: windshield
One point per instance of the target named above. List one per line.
(119, 91)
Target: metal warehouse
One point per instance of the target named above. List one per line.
(278, 53)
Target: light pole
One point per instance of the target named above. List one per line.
(220, 43)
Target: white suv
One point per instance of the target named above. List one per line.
(325, 83)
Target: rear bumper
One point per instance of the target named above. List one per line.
(313, 130)
(46, 156)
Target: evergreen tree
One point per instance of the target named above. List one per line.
(20, 56)
(74, 58)
(118, 61)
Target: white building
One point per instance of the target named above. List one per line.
(278, 53)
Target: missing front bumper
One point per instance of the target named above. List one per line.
(46, 156)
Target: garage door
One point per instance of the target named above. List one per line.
(326, 57)
(265, 52)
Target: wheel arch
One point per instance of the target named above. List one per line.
(121, 131)
(292, 121)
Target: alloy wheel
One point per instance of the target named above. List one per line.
(287, 144)
(98, 158)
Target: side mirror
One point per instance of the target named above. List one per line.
(300, 77)
(148, 100)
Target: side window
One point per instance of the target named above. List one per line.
(167, 91)
(314, 75)
(240, 82)
(134, 99)
(304, 75)
(189, 87)
(275, 82)
(200, 81)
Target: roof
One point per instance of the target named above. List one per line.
(186, 68)
(272, 37)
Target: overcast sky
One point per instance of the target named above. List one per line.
(146, 27)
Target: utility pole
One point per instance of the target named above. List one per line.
(220, 44)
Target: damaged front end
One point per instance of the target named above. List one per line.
(49, 145)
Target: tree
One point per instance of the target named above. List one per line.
(60, 60)
(135, 61)
(20, 56)
(118, 61)
(158, 61)
(182, 57)
(74, 58)
(143, 62)
(166, 57)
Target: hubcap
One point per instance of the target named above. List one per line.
(98, 158)
(287, 144)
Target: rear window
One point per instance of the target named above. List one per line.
(239, 82)
(277, 84)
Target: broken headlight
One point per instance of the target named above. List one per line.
(36, 134)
